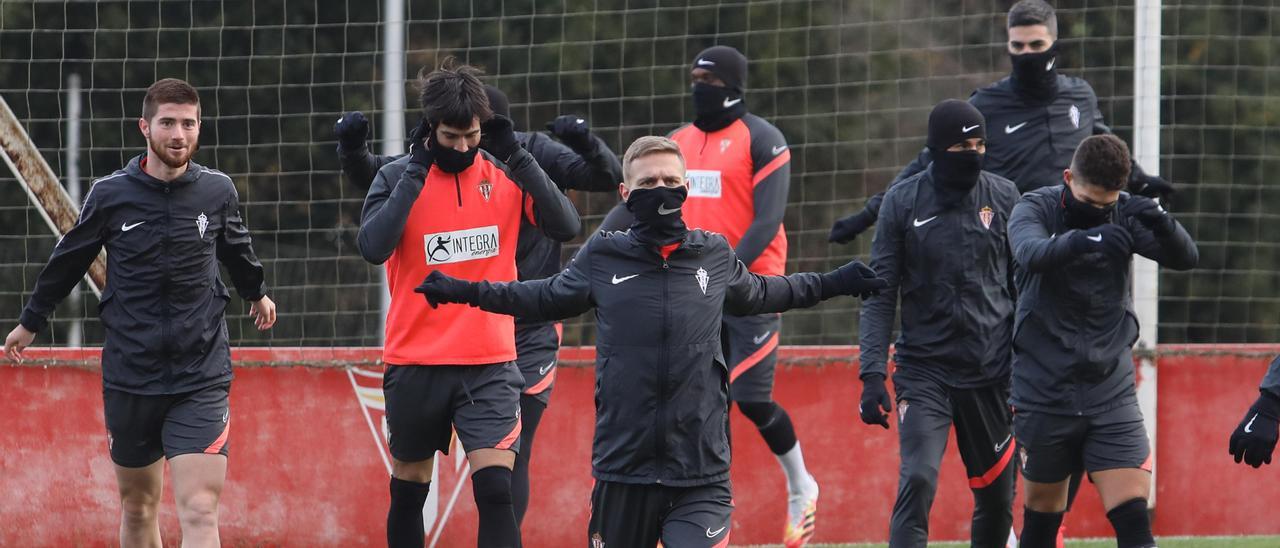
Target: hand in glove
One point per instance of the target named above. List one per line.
(1112, 240)
(1151, 186)
(875, 405)
(352, 130)
(421, 139)
(441, 288)
(498, 136)
(854, 278)
(1150, 214)
(571, 130)
(848, 228)
(1255, 437)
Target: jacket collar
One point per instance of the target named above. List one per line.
(134, 169)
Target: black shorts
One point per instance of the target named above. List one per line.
(537, 350)
(928, 409)
(141, 429)
(751, 349)
(1055, 446)
(425, 403)
(626, 515)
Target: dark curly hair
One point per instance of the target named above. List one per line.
(453, 94)
(1103, 160)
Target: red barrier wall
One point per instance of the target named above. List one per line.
(306, 469)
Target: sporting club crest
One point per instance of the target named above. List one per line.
(202, 222)
(486, 189)
(703, 278)
(724, 145)
(986, 215)
(902, 411)
(1075, 116)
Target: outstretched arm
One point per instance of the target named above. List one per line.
(561, 296)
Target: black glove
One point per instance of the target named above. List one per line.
(1150, 214)
(848, 228)
(854, 278)
(876, 405)
(420, 147)
(441, 288)
(1151, 186)
(498, 136)
(572, 130)
(1255, 436)
(1112, 240)
(352, 131)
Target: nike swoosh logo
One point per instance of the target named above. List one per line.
(1010, 129)
(716, 533)
(580, 120)
(127, 227)
(1049, 66)
(617, 280)
(778, 149)
(1097, 238)
(543, 370)
(970, 128)
(761, 338)
(662, 210)
(706, 63)
(920, 223)
(1248, 428)
(1000, 446)
(730, 102)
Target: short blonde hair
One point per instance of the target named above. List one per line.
(644, 146)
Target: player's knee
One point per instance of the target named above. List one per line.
(139, 508)
(199, 510)
(417, 472)
(759, 412)
(492, 485)
(920, 479)
(1045, 500)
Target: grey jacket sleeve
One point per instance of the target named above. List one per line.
(361, 166)
(386, 208)
(1177, 251)
(1033, 247)
(771, 180)
(750, 294)
(561, 296)
(1271, 382)
(553, 213)
(235, 250)
(595, 169)
(67, 265)
(875, 325)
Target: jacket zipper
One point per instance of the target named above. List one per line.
(660, 441)
(457, 185)
(166, 344)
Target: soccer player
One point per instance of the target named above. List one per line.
(660, 455)
(739, 175)
(1037, 118)
(1255, 437)
(943, 243)
(582, 162)
(167, 222)
(451, 206)
(1074, 396)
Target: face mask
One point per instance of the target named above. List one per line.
(1081, 215)
(715, 107)
(957, 171)
(448, 159)
(1034, 73)
(658, 213)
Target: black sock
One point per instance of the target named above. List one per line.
(1039, 529)
(498, 529)
(774, 424)
(404, 519)
(1132, 524)
(530, 414)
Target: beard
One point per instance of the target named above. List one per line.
(173, 158)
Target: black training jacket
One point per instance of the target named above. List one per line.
(1074, 329)
(952, 269)
(1271, 382)
(662, 387)
(163, 304)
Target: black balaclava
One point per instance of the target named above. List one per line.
(448, 159)
(955, 173)
(1081, 215)
(1035, 75)
(498, 101)
(716, 107)
(658, 214)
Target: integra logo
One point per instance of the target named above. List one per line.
(461, 245)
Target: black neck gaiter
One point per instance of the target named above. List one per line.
(1080, 215)
(658, 214)
(448, 159)
(716, 107)
(1035, 75)
(955, 173)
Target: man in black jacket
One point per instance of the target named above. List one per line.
(579, 161)
(166, 362)
(661, 450)
(1037, 116)
(943, 243)
(1255, 437)
(1074, 396)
